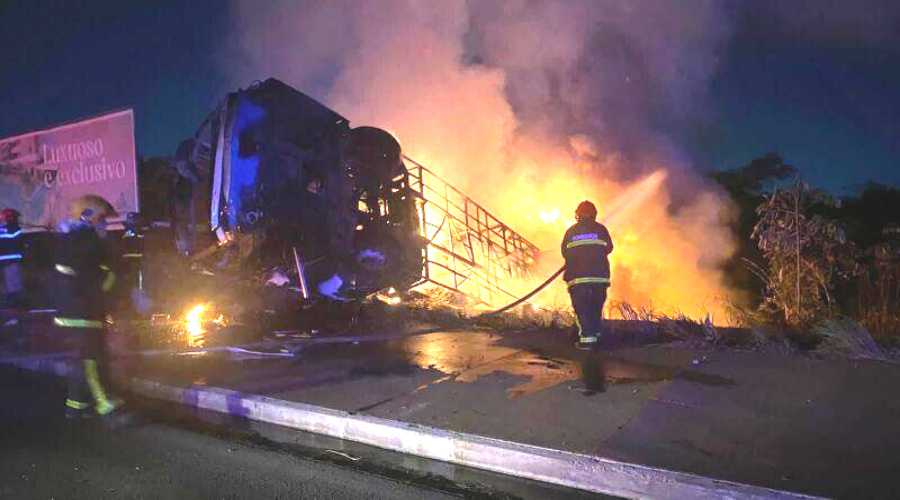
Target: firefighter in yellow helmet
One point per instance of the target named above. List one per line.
(84, 281)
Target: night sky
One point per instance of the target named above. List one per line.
(829, 104)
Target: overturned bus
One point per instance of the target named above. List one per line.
(277, 192)
(273, 179)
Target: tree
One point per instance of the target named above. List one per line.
(870, 215)
(747, 188)
(872, 219)
(807, 254)
(749, 180)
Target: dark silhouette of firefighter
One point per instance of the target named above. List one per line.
(586, 248)
(84, 283)
(11, 255)
(11, 252)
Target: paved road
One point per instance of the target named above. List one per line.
(45, 456)
(820, 426)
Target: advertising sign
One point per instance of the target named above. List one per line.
(42, 172)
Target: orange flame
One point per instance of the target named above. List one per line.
(663, 262)
(457, 117)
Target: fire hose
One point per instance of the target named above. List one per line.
(526, 296)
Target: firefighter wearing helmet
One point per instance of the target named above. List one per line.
(586, 248)
(84, 281)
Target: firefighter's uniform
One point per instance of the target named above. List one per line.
(83, 281)
(586, 248)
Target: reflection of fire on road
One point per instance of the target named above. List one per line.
(543, 373)
(597, 372)
(466, 358)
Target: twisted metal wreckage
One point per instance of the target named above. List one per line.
(273, 177)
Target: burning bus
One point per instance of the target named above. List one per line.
(276, 187)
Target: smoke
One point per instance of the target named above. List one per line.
(396, 65)
(529, 107)
(630, 75)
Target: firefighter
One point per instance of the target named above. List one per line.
(84, 281)
(11, 254)
(132, 244)
(586, 248)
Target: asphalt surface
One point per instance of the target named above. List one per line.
(170, 455)
(789, 422)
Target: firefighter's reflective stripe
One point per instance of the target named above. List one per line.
(77, 323)
(588, 340)
(110, 280)
(77, 405)
(10, 245)
(102, 403)
(132, 255)
(579, 281)
(68, 271)
(579, 243)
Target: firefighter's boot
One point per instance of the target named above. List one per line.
(588, 342)
(77, 410)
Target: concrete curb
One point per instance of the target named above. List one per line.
(568, 469)
(53, 364)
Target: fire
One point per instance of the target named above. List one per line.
(668, 254)
(193, 325)
(533, 128)
(197, 320)
(662, 262)
(390, 297)
(549, 217)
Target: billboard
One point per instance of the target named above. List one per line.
(42, 172)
